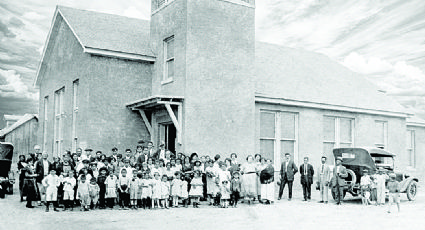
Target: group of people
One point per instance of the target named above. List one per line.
(143, 179)
(151, 178)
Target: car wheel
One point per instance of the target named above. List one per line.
(411, 190)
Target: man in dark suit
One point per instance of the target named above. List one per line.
(338, 182)
(287, 171)
(144, 156)
(307, 173)
(160, 153)
(42, 169)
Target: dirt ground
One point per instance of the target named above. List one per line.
(284, 214)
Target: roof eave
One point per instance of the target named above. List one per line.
(283, 101)
(117, 54)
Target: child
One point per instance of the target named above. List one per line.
(365, 183)
(146, 192)
(235, 188)
(68, 190)
(175, 189)
(51, 182)
(225, 193)
(183, 191)
(156, 189)
(394, 188)
(93, 193)
(169, 172)
(212, 187)
(178, 166)
(198, 166)
(139, 190)
(102, 186)
(165, 191)
(134, 189)
(83, 192)
(195, 192)
(123, 189)
(111, 190)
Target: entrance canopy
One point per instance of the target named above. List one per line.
(156, 103)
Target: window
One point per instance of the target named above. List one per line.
(410, 143)
(168, 60)
(278, 135)
(46, 111)
(381, 134)
(74, 115)
(338, 132)
(58, 124)
(160, 3)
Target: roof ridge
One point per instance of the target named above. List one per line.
(99, 12)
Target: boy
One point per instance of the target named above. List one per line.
(365, 184)
(102, 186)
(394, 188)
(123, 189)
(51, 182)
(68, 190)
(83, 192)
(235, 188)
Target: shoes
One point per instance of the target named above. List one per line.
(29, 206)
(56, 210)
(279, 198)
(326, 202)
(289, 199)
(321, 201)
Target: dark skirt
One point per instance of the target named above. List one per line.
(30, 189)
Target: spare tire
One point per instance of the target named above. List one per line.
(351, 179)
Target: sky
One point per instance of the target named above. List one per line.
(382, 39)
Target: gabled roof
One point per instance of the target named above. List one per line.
(23, 120)
(104, 34)
(12, 117)
(310, 79)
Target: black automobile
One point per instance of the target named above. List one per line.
(6, 176)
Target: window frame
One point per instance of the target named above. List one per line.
(75, 92)
(165, 78)
(385, 130)
(59, 115)
(337, 131)
(411, 147)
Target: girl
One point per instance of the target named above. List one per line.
(156, 189)
(169, 172)
(165, 191)
(83, 192)
(225, 193)
(145, 169)
(198, 166)
(93, 192)
(212, 187)
(196, 188)
(175, 189)
(183, 191)
(178, 165)
(146, 192)
(156, 169)
(150, 163)
(259, 162)
(140, 189)
(68, 190)
(134, 189)
(249, 178)
(111, 190)
(173, 163)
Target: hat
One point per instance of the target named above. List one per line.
(340, 158)
(86, 161)
(88, 150)
(392, 175)
(114, 149)
(103, 169)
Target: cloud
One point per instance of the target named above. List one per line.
(15, 87)
(132, 12)
(33, 16)
(371, 65)
(5, 31)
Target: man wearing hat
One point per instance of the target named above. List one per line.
(339, 173)
(160, 153)
(323, 178)
(114, 152)
(381, 177)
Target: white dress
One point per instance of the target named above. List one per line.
(196, 188)
(146, 188)
(165, 189)
(156, 189)
(175, 187)
(111, 187)
(183, 190)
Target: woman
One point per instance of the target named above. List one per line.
(74, 160)
(193, 157)
(260, 164)
(249, 179)
(29, 186)
(21, 166)
(187, 168)
(267, 182)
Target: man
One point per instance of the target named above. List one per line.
(37, 149)
(160, 153)
(88, 153)
(79, 152)
(287, 171)
(307, 173)
(139, 151)
(114, 152)
(339, 173)
(42, 169)
(128, 154)
(144, 157)
(323, 178)
(151, 151)
(381, 178)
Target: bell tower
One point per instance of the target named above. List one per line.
(213, 67)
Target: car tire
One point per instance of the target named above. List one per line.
(412, 190)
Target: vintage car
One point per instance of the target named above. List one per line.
(6, 176)
(358, 159)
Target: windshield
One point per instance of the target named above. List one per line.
(383, 161)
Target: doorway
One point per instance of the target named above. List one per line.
(167, 134)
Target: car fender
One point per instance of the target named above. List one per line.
(404, 183)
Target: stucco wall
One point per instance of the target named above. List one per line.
(419, 169)
(105, 85)
(23, 138)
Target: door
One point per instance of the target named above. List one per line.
(167, 135)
